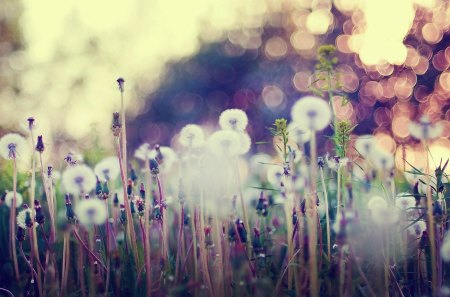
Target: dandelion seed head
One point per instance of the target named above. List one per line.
(299, 133)
(417, 228)
(224, 143)
(365, 145)
(91, 212)
(9, 199)
(22, 218)
(275, 174)
(233, 119)
(107, 169)
(377, 202)
(425, 130)
(168, 155)
(79, 179)
(245, 142)
(312, 112)
(13, 146)
(142, 152)
(192, 136)
(382, 160)
(405, 201)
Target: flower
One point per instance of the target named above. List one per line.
(312, 112)
(108, 168)
(299, 133)
(424, 129)
(91, 211)
(142, 152)
(79, 179)
(417, 228)
(12, 146)
(233, 119)
(376, 202)
(405, 201)
(192, 136)
(365, 145)
(224, 143)
(25, 218)
(245, 141)
(165, 156)
(275, 174)
(382, 160)
(335, 162)
(381, 213)
(9, 199)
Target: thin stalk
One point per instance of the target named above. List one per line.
(203, 253)
(31, 268)
(338, 194)
(244, 209)
(148, 271)
(12, 221)
(312, 243)
(65, 263)
(327, 217)
(431, 228)
(88, 250)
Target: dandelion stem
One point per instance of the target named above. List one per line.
(88, 250)
(12, 220)
(31, 268)
(327, 217)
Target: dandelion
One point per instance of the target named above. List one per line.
(90, 212)
(381, 213)
(376, 202)
(25, 218)
(108, 168)
(12, 146)
(233, 119)
(9, 199)
(275, 174)
(417, 228)
(142, 152)
(79, 179)
(165, 156)
(336, 162)
(299, 133)
(245, 142)
(312, 112)
(224, 143)
(424, 129)
(366, 145)
(192, 136)
(382, 160)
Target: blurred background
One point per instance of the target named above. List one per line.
(187, 61)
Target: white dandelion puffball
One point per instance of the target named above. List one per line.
(376, 202)
(312, 112)
(246, 143)
(192, 136)
(22, 216)
(417, 228)
(13, 146)
(142, 152)
(233, 119)
(224, 143)
(405, 201)
(9, 199)
(79, 179)
(108, 169)
(275, 174)
(445, 249)
(425, 130)
(382, 160)
(299, 133)
(365, 145)
(168, 155)
(90, 212)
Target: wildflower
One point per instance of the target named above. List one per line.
(424, 129)
(192, 136)
(154, 167)
(335, 162)
(405, 201)
(40, 217)
(381, 213)
(69, 210)
(30, 123)
(121, 82)
(116, 126)
(299, 133)
(383, 160)
(20, 236)
(275, 174)
(25, 218)
(365, 145)
(233, 119)
(91, 211)
(9, 199)
(312, 112)
(245, 142)
(141, 207)
(224, 143)
(79, 179)
(417, 228)
(40, 144)
(142, 152)
(108, 168)
(71, 159)
(12, 146)
(164, 155)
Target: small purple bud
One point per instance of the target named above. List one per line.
(120, 82)
(40, 144)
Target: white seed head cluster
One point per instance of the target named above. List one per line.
(142, 152)
(225, 143)
(91, 212)
(9, 199)
(169, 157)
(107, 169)
(233, 119)
(22, 216)
(192, 136)
(311, 112)
(78, 179)
(299, 133)
(13, 146)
